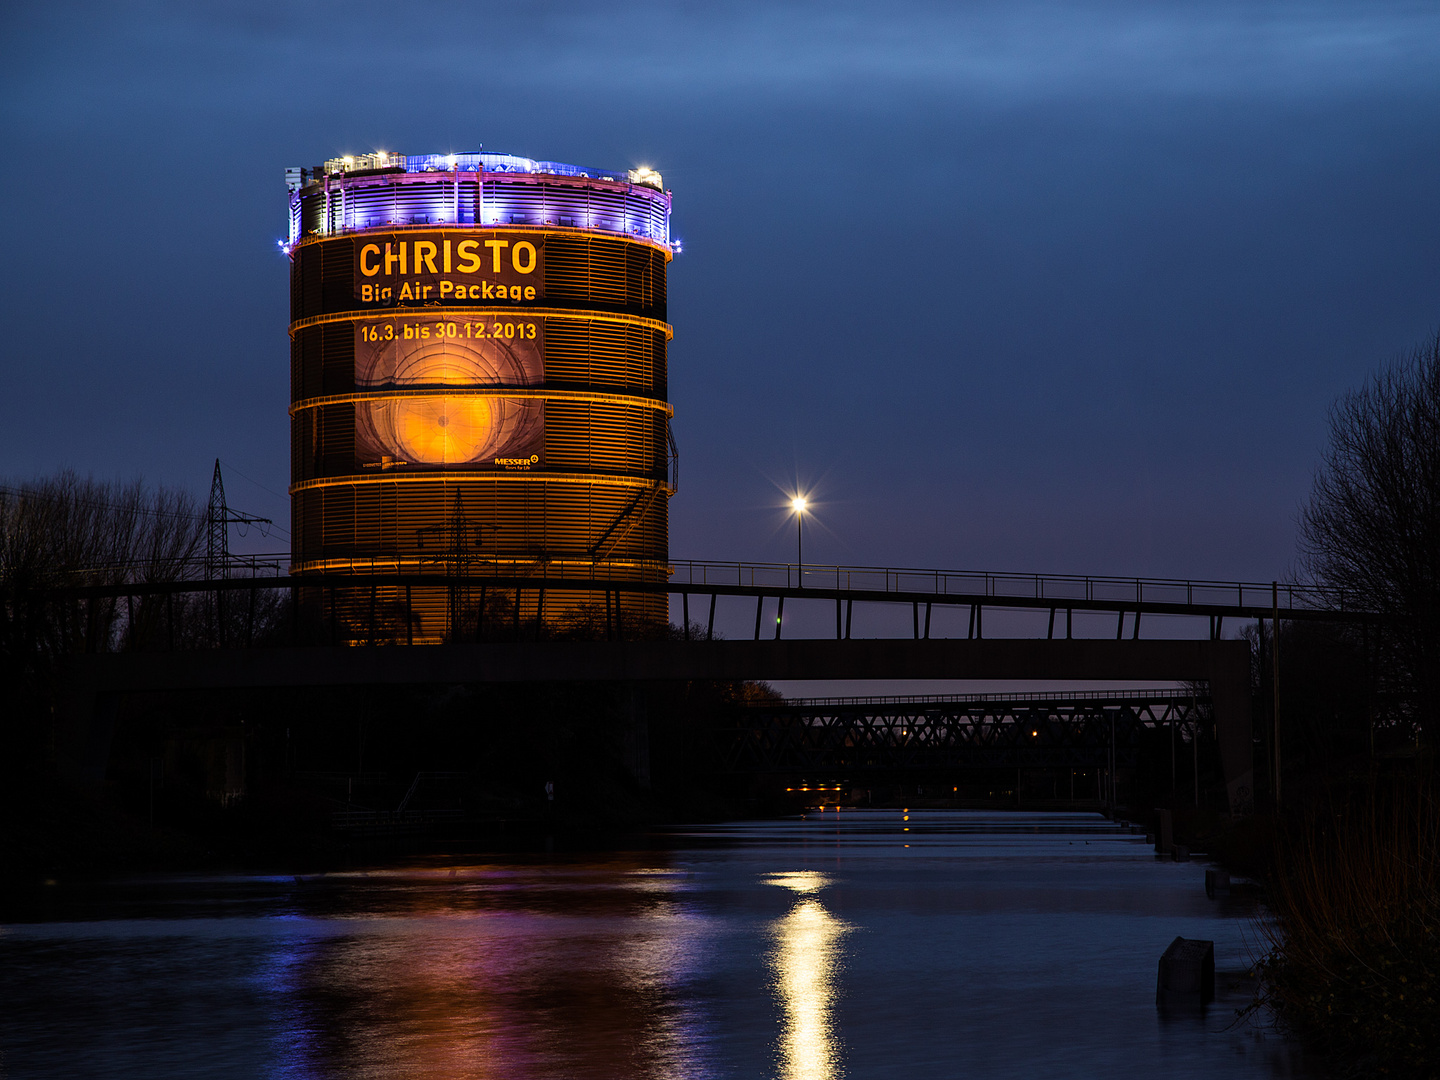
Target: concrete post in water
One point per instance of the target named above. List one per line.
(1187, 973)
(1216, 881)
(1164, 832)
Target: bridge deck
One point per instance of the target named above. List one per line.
(844, 587)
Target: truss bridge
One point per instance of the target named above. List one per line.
(856, 740)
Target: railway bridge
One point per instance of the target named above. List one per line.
(132, 642)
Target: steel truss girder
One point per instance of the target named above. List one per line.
(826, 740)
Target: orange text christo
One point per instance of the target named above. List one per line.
(416, 257)
(466, 258)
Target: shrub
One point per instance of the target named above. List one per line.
(1354, 960)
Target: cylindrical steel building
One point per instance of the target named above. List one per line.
(478, 391)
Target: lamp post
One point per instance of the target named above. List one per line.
(798, 505)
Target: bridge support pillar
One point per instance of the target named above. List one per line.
(84, 728)
(1230, 698)
(635, 751)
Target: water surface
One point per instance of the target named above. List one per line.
(858, 944)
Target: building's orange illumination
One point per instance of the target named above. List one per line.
(532, 312)
(473, 395)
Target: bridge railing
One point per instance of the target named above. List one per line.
(1059, 588)
(196, 569)
(700, 576)
(1168, 693)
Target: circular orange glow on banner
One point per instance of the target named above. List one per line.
(448, 429)
(442, 430)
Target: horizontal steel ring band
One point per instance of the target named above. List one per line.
(475, 476)
(512, 312)
(529, 393)
(533, 230)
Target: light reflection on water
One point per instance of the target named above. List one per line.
(479, 990)
(991, 946)
(806, 958)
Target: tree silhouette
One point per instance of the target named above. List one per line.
(1372, 525)
(63, 532)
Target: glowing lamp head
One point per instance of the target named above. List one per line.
(798, 504)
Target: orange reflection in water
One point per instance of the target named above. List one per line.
(497, 973)
(806, 962)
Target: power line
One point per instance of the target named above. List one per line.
(95, 504)
(273, 527)
(99, 504)
(262, 487)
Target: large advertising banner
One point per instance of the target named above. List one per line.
(437, 412)
(425, 269)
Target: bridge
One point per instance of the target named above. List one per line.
(865, 740)
(130, 640)
(1058, 596)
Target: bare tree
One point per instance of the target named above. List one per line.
(64, 532)
(1372, 526)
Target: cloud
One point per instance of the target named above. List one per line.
(1036, 48)
(235, 56)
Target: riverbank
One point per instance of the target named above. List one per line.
(54, 830)
(1354, 959)
(1351, 878)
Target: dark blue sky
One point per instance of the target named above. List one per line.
(1061, 287)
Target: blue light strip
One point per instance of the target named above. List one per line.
(478, 190)
(504, 163)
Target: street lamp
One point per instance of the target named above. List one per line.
(798, 504)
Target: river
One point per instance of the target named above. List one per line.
(854, 944)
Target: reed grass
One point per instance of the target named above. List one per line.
(1353, 965)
